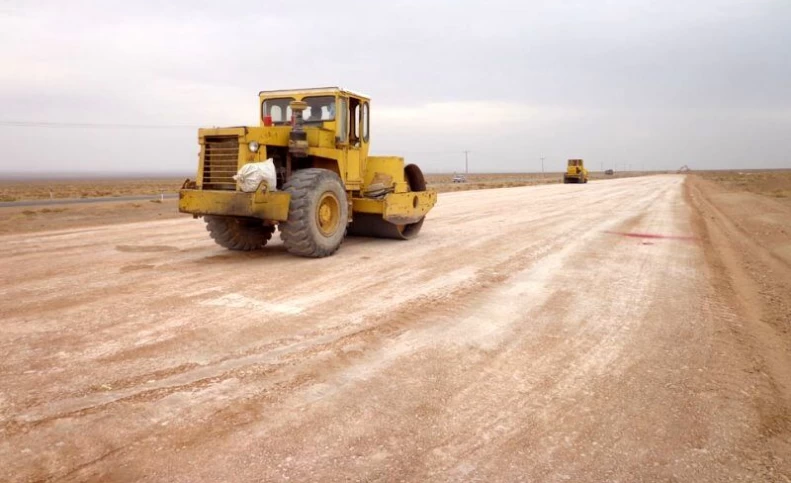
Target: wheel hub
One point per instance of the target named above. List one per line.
(328, 214)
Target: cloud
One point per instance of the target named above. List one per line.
(661, 83)
(451, 116)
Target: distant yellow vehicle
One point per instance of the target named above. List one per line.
(575, 172)
(324, 183)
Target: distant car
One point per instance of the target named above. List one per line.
(609, 171)
(459, 178)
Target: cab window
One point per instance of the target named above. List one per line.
(354, 121)
(278, 109)
(343, 125)
(364, 122)
(320, 109)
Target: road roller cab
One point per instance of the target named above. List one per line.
(324, 183)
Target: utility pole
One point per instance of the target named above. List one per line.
(466, 163)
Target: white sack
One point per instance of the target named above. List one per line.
(250, 176)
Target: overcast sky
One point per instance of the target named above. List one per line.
(654, 84)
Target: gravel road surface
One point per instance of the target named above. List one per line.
(82, 201)
(551, 333)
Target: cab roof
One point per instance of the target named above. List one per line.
(312, 90)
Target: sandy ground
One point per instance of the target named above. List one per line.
(70, 188)
(624, 330)
(44, 189)
(33, 219)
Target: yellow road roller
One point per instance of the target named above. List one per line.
(575, 172)
(317, 182)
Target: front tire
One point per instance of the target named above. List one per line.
(242, 234)
(317, 215)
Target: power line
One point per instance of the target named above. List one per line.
(83, 125)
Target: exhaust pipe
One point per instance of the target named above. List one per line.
(298, 139)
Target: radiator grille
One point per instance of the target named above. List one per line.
(220, 161)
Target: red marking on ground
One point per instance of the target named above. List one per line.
(652, 235)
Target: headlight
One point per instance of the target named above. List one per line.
(252, 146)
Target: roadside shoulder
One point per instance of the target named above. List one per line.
(740, 233)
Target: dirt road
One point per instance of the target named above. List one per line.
(553, 333)
(82, 201)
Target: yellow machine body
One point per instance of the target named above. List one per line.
(575, 172)
(336, 127)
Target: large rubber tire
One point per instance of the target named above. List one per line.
(235, 233)
(308, 232)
